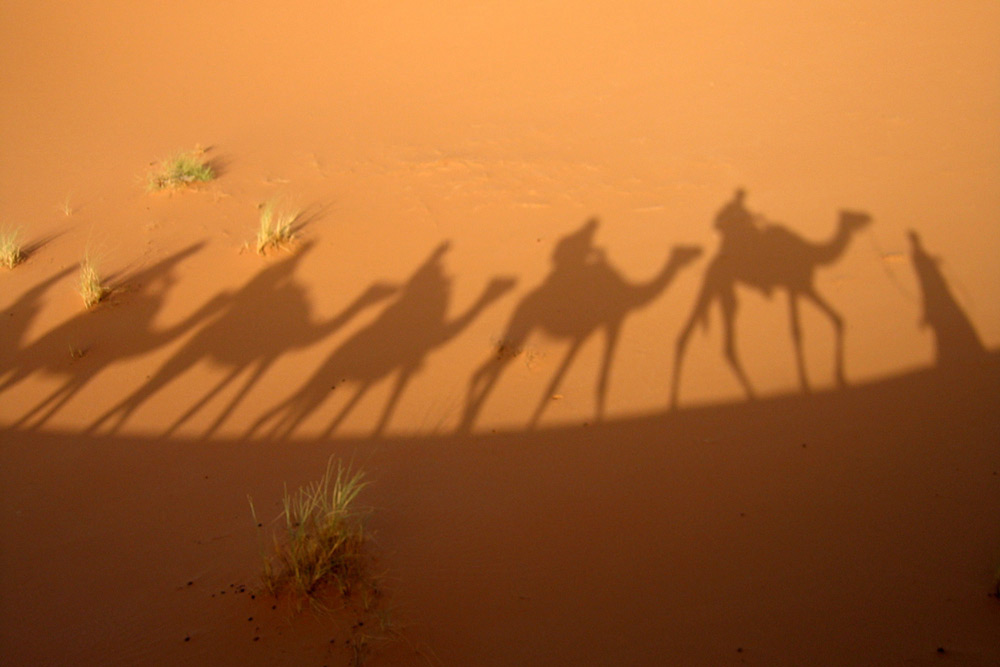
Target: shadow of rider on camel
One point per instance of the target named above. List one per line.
(766, 257)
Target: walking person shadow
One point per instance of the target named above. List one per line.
(582, 294)
(397, 342)
(956, 342)
(265, 319)
(764, 258)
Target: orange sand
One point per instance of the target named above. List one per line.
(447, 161)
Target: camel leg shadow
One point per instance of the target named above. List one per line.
(554, 383)
(729, 306)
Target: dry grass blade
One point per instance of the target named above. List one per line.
(91, 288)
(322, 539)
(180, 170)
(276, 228)
(11, 252)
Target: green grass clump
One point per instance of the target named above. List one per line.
(322, 543)
(180, 170)
(11, 252)
(91, 287)
(276, 227)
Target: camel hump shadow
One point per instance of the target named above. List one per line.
(765, 257)
(583, 294)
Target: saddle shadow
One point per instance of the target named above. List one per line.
(765, 257)
(396, 343)
(583, 294)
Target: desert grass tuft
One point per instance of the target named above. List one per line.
(276, 227)
(91, 287)
(11, 252)
(322, 541)
(180, 170)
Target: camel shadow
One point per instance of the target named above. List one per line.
(18, 320)
(765, 258)
(583, 294)
(267, 318)
(64, 350)
(396, 343)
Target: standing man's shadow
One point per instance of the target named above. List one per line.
(582, 294)
(397, 342)
(956, 342)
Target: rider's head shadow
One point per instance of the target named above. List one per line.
(582, 295)
(576, 248)
(734, 218)
(765, 257)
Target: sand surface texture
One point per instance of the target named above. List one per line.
(666, 333)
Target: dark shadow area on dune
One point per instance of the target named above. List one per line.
(860, 521)
(582, 295)
(765, 257)
(397, 343)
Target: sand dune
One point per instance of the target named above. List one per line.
(848, 527)
(519, 259)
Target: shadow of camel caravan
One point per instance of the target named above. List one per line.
(19, 317)
(116, 335)
(583, 294)
(396, 343)
(766, 257)
(267, 318)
